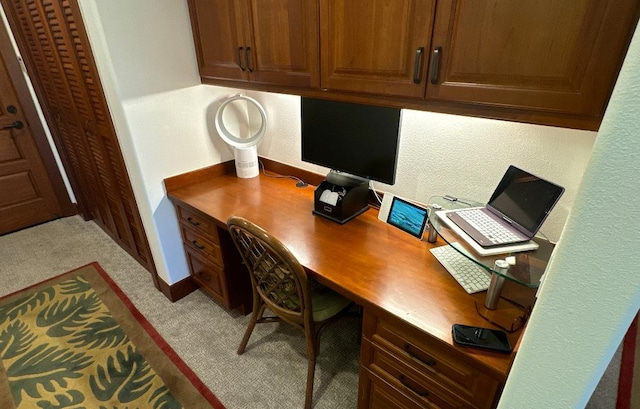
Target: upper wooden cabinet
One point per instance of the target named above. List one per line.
(378, 47)
(538, 61)
(548, 55)
(260, 41)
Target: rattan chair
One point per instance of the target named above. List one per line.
(280, 283)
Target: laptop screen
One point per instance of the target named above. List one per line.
(524, 198)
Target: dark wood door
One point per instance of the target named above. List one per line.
(376, 47)
(28, 195)
(219, 38)
(53, 41)
(547, 55)
(262, 41)
(283, 39)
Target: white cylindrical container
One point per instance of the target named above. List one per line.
(246, 162)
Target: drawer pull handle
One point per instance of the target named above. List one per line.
(204, 276)
(193, 222)
(248, 59)
(403, 380)
(240, 58)
(435, 65)
(198, 245)
(429, 362)
(416, 65)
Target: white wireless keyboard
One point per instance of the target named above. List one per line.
(468, 274)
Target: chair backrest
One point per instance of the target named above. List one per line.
(276, 274)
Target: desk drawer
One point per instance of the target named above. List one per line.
(378, 393)
(409, 382)
(201, 244)
(198, 222)
(209, 276)
(438, 362)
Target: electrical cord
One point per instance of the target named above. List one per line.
(375, 193)
(301, 183)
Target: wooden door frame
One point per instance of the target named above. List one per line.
(31, 114)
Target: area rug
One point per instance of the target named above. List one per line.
(76, 341)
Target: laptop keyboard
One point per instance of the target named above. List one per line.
(488, 227)
(468, 274)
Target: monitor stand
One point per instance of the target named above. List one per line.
(341, 197)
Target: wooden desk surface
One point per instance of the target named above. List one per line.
(369, 261)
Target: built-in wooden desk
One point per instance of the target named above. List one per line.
(410, 301)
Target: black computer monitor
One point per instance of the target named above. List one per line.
(361, 140)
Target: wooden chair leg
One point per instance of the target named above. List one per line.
(258, 309)
(311, 371)
(312, 344)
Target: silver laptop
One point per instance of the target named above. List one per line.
(513, 215)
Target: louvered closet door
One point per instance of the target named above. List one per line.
(67, 81)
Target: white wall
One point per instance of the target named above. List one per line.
(163, 119)
(592, 287)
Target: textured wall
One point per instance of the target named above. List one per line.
(592, 287)
(449, 154)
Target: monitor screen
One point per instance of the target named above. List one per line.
(524, 198)
(361, 140)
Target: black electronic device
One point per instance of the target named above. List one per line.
(341, 203)
(356, 139)
(408, 217)
(479, 337)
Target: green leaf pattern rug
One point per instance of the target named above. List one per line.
(61, 348)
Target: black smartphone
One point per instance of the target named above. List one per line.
(486, 338)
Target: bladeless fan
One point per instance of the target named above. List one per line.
(236, 126)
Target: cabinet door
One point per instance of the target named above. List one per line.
(546, 55)
(282, 38)
(376, 46)
(218, 33)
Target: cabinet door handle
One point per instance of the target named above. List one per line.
(417, 64)
(14, 125)
(435, 65)
(248, 59)
(240, 58)
(193, 222)
(429, 362)
(198, 245)
(403, 380)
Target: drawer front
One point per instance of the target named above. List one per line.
(408, 380)
(437, 361)
(201, 244)
(208, 276)
(198, 222)
(378, 393)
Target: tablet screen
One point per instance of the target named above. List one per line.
(408, 217)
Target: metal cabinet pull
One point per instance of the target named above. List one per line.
(193, 222)
(240, 58)
(198, 245)
(204, 276)
(14, 125)
(435, 65)
(248, 59)
(403, 380)
(416, 65)
(429, 362)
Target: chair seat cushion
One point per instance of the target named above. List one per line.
(326, 303)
